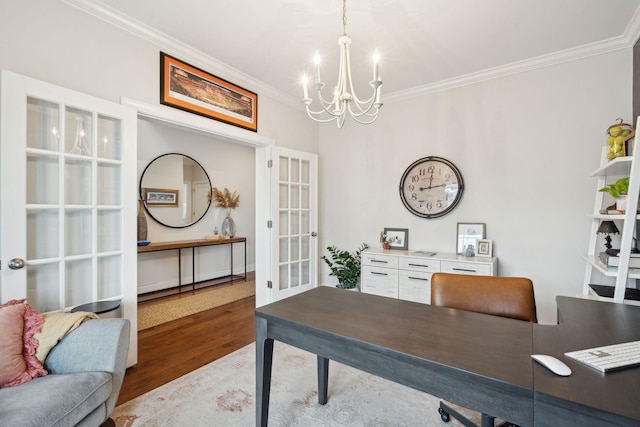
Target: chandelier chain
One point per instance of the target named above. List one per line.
(344, 17)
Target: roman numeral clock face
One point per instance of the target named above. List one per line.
(431, 187)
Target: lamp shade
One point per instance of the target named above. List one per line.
(608, 227)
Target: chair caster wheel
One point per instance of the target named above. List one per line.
(444, 415)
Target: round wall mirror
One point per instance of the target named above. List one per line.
(176, 190)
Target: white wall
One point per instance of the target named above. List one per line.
(525, 145)
(54, 42)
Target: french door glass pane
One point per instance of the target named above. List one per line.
(78, 280)
(42, 179)
(109, 184)
(77, 232)
(109, 230)
(43, 284)
(295, 196)
(78, 138)
(42, 234)
(305, 172)
(109, 138)
(109, 269)
(284, 169)
(295, 170)
(43, 125)
(77, 182)
(284, 277)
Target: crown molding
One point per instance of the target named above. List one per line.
(513, 68)
(196, 57)
(177, 48)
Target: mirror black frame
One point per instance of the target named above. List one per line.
(141, 195)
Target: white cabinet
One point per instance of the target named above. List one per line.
(608, 172)
(407, 274)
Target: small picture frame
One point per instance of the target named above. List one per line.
(484, 248)
(468, 233)
(398, 238)
(158, 197)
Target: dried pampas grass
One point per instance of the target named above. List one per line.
(225, 199)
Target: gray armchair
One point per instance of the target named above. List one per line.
(86, 370)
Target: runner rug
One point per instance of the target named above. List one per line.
(222, 393)
(156, 313)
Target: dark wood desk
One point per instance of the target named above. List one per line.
(588, 397)
(480, 361)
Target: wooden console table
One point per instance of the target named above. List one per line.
(193, 244)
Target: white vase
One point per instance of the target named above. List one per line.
(621, 203)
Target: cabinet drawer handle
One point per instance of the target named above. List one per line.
(418, 278)
(464, 269)
(419, 265)
(379, 274)
(383, 262)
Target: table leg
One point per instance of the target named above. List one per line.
(264, 359)
(323, 379)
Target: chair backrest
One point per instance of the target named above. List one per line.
(510, 297)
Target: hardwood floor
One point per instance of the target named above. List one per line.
(170, 350)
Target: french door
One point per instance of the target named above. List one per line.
(293, 264)
(68, 199)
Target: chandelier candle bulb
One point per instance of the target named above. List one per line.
(304, 84)
(376, 60)
(316, 60)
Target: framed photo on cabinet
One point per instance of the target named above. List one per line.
(484, 248)
(398, 238)
(191, 89)
(468, 233)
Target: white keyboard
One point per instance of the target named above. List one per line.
(610, 357)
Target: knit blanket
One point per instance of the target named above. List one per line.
(55, 327)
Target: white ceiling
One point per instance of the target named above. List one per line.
(423, 43)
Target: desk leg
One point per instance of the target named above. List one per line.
(323, 379)
(264, 359)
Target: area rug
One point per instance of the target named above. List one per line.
(222, 393)
(162, 312)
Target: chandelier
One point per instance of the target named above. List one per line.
(344, 98)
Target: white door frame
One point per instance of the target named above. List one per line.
(236, 135)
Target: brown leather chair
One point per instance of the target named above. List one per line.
(510, 297)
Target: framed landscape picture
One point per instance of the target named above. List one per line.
(160, 197)
(191, 89)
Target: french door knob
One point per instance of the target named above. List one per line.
(16, 263)
(314, 234)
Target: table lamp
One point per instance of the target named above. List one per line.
(607, 228)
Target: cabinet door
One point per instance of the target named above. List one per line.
(380, 281)
(414, 286)
(67, 207)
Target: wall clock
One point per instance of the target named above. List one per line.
(431, 187)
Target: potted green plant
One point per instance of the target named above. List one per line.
(619, 191)
(345, 266)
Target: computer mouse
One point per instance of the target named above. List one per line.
(551, 363)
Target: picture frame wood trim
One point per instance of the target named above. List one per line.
(398, 238)
(207, 95)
